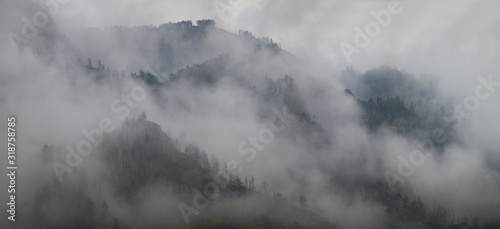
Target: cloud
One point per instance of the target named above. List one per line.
(456, 41)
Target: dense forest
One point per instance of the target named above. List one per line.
(214, 129)
(140, 154)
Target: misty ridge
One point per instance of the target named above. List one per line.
(193, 122)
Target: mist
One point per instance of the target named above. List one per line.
(126, 109)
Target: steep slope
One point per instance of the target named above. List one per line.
(163, 49)
(140, 155)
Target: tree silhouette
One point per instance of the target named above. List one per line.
(303, 201)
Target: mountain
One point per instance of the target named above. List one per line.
(140, 155)
(233, 138)
(164, 49)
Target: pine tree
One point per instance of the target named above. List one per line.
(99, 65)
(303, 201)
(252, 184)
(142, 117)
(115, 226)
(89, 63)
(475, 223)
(214, 163)
(264, 187)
